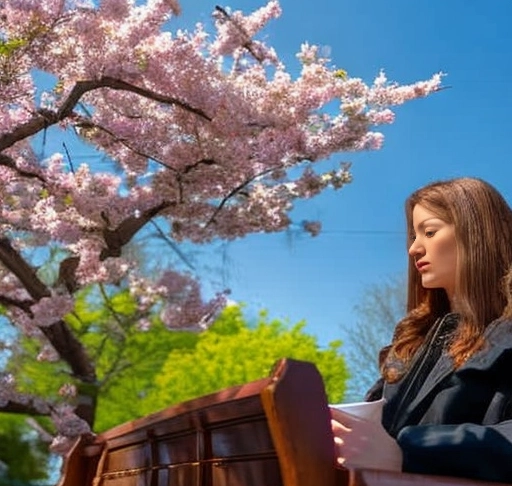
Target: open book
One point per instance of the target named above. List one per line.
(371, 411)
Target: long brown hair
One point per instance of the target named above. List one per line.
(483, 231)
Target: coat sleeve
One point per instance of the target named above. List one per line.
(466, 450)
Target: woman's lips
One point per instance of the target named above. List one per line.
(421, 265)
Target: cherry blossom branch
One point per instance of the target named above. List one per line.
(9, 162)
(14, 262)
(120, 85)
(115, 239)
(88, 124)
(26, 408)
(235, 191)
(60, 336)
(248, 41)
(45, 118)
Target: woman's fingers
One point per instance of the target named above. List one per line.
(346, 419)
(338, 427)
(364, 443)
(338, 442)
(339, 431)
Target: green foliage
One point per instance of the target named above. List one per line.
(231, 352)
(8, 47)
(41, 378)
(144, 354)
(125, 357)
(21, 451)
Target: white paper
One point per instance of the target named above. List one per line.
(366, 410)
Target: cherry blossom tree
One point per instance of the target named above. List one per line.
(203, 129)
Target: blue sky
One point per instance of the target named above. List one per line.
(462, 131)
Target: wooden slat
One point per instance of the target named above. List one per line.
(299, 420)
(207, 402)
(77, 469)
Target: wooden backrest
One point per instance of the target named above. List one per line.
(270, 432)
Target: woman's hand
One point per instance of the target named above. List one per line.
(362, 443)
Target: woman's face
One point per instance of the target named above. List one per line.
(434, 249)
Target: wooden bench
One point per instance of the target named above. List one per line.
(271, 432)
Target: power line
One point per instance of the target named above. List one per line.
(362, 232)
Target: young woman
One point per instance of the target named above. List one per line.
(447, 375)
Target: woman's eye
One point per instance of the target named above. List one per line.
(429, 233)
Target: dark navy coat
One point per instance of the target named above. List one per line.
(456, 422)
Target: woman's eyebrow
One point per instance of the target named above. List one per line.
(425, 221)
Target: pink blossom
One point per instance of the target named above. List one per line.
(143, 325)
(49, 310)
(381, 117)
(48, 353)
(371, 141)
(67, 390)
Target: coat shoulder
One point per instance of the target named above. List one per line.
(498, 345)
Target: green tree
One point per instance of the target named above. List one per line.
(23, 454)
(233, 352)
(127, 357)
(144, 355)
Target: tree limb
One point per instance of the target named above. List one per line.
(23, 408)
(14, 262)
(60, 336)
(7, 161)
(235, 191)
(24, 305)
(115, 239)
(70, 350)
(44, 118)
(248, 42)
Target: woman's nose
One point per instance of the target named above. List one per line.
(416, 249)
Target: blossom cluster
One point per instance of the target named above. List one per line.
(178, 297)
